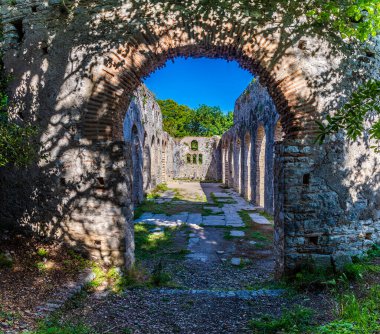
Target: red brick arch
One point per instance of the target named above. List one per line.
(125, 66)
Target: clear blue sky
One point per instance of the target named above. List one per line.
(196, 81)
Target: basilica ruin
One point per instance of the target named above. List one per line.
(77, 70)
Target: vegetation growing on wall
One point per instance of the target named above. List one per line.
(181, 121)
(16, 144)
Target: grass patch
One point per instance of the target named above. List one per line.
(356, 315)
(310, 277)
(56, 327)
(169, 208)
(227, 235)
(259, 236)
(150, 244)
(5, 261)
(42, 252)
(7, 317)
(216, 200)
(157, 191)
(292, 321)
(244, 215)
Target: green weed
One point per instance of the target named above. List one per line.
(5, 261)
(292, 321)
(258, 236)
(42, 252)
(55, 327)
(356, 315)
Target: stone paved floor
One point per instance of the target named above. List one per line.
(206, 241)
(216, 288)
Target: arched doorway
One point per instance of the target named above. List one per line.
(137, 165)
(147, 173)
(116, 70)
(237, 167)
(247, 166)
(163, 163)
(260, 166)
(231, 166)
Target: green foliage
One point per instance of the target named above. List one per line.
(5, 261)
(42, 252)
(159, 276)
(7, 317)
(181, 121)
(356, 315)
(363, 105)
(354, 19)
(55, 327)
(150, 244)
(292, 321)
(259, 236)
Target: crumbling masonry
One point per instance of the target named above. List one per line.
(75, 69)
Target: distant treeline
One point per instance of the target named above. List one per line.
(181, 121)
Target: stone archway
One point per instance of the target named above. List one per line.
(137, 167)
(80, 92)
(147, 161)
(260, 166)
(231, 165)
(247, 167)
(237, 166)
(128, 63)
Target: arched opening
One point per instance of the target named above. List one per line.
(231, 166)
(225, 163)
(237, 167)
(194, 145)
(153, 160)
(247, 166)
(157, 162)
(137, 166)
(260, 166)
(147, 176)
(163, 162)
(80, 96)
(280, 80)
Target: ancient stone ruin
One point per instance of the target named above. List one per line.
(76, 69)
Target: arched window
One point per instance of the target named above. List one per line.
(194, 145)
(188, 158)
(200, 159)
(194, 159)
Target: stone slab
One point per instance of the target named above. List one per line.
(236, 261)
(258, 219)
(236, 233)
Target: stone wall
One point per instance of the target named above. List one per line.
(248, 147)
(75, 69)
(157, 157)
(152, 147)
(252, 154)
(197, 158)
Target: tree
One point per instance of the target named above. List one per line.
(356, 20)
(363, 107)
(181, 121)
